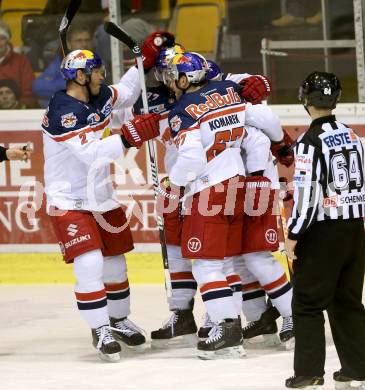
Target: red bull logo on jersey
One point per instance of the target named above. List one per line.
(213, 101)
(175, 123)
(68, 120)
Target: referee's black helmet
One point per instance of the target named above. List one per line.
(320, 90)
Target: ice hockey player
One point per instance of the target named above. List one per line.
(89, 223)
(260, 273)
(215, 160)
(254, 89)
(181, 325)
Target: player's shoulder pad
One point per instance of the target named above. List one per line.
(64, 114)
(179, 120)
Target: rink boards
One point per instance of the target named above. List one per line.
(28, 230)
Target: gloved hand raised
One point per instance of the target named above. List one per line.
(255, 88)
(141, 128)
(152, 46)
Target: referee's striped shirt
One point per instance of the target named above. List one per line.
(328, 177)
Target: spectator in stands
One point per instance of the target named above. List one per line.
(14, 66)
(9, 95)
(51, 80)
(299, 12)
(136, 27)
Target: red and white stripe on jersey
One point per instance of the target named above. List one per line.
(115, 291)
(115, 94)
(234, 282)
(215, 290)
(83, 130)
(278, 287)
(252, 290)
(91, 300)
(181, 280)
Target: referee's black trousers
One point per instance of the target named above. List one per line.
(329, 275)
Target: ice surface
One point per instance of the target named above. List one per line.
(45, 345)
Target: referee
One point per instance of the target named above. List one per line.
(326, 240)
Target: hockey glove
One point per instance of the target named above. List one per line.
(255, 89)
(153, 45)
(283, 150)
(141, 128)
(285, 195)
(259, 198)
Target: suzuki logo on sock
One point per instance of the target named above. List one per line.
(72, 230)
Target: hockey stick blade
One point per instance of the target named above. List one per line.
(70, 13)
(122, 36)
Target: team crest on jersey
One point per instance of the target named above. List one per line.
(175, 123)
(93, 119)
(107, 108)
(68, 120)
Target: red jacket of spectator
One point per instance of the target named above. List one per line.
(17, 67)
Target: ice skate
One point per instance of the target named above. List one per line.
(224, 341)
(286, 334)
(128, 333)
(179, 331)
(304, 382)
(263, 332)
(103, 340)
(343, 382)
(207, 326)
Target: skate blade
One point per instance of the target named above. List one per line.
(237, 352)
(289, 345)
(184, 341)
(262, 341)
(141, 348)
(349, 385)
(110, 358)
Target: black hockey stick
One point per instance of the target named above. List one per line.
(70, 12)
(122, 36)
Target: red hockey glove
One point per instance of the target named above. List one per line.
(255, 88)
(152, 46)
(259, 196)
(283, 150)
(141, 128)
(285, 195)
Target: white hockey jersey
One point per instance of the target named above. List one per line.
(208, 127)
(78, 150)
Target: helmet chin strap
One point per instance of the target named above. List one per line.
(86, 84)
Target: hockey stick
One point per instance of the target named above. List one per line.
(118, 33)
(70, 12)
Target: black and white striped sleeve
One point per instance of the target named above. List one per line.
(307, 188)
